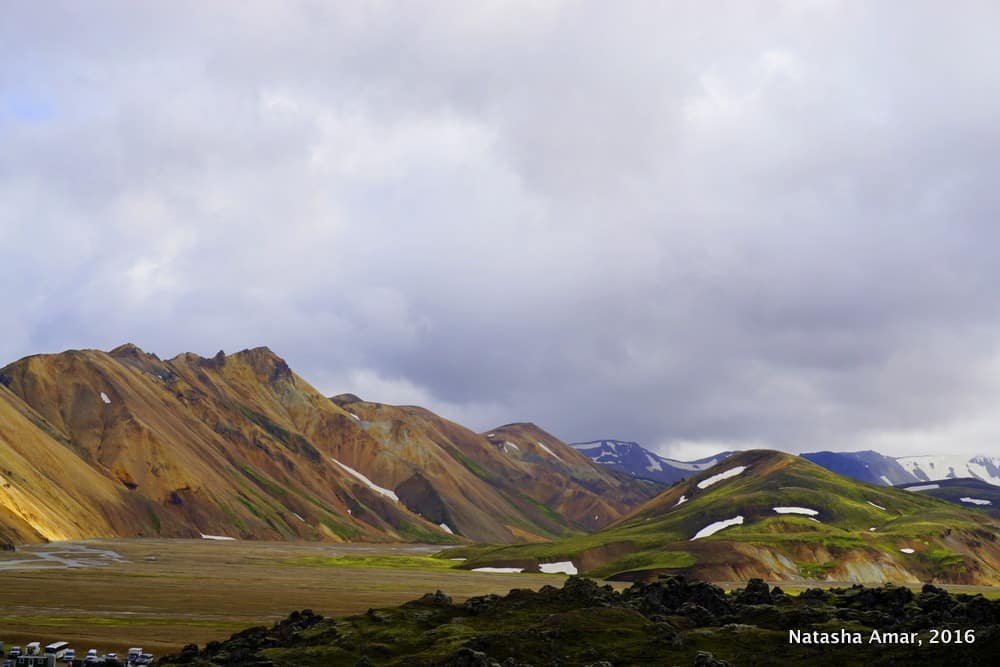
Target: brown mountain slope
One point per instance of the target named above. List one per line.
(550, 497)
(37, 501)
(124, 443)
(595, 495)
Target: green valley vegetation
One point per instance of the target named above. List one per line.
(782, 518)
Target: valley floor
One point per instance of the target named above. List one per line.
(163, 594)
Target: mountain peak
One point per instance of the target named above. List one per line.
(127, 350)
(346, 399)
(264, 362)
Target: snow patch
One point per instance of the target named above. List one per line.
(923, 487)
(885, 479)
(975, 501)
(562, 567)
(554, 455)
(653, 464)
(874, 505)
(732, 472)
(871, 530)
(446, 528)
(713, 528)
(907, 550)
(502, 570)
(795, 510)
(381, 490)
(299, 517)
(104, 397)
(461, 560)
(354, 415)
(681, 501)
(507, 444)
(217, 537)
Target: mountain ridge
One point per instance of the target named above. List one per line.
(632, 458)
(239, 445)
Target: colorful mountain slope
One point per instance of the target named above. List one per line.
(124, 443)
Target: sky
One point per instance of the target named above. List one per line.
(697, 225)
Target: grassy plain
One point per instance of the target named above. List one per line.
(167, 593)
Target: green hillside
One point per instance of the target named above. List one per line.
(967, 492)
(858, 532)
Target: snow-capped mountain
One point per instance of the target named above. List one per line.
(929, 468)
(634, 459)
(875, 468)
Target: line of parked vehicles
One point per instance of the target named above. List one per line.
(60, 653)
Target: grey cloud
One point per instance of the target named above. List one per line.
(773, 224)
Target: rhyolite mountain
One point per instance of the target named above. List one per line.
(122, 443)
(776, 516)
(875, 468)
(634, 459)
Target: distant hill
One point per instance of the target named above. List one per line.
(637, 461)
(776, 516)
(122, 444)
(875, 468)
(966, 492)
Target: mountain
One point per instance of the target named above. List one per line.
(594, 496)
(96, 444)
(928, 468)
(776, 516)
(637, 461)
(964, 491)
(875, 468)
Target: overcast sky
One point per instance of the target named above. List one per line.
(696, 225)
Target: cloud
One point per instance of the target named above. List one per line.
(765, 226)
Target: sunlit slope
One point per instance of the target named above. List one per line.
(39, 502)
(833, 528)
(124, 443)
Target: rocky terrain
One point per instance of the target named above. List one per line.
(671, 621)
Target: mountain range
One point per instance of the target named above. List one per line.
(125, 444)
(122, 443)
(866, 466)
(875, 468)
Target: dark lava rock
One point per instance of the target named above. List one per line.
(756, 592)
(705, 659)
